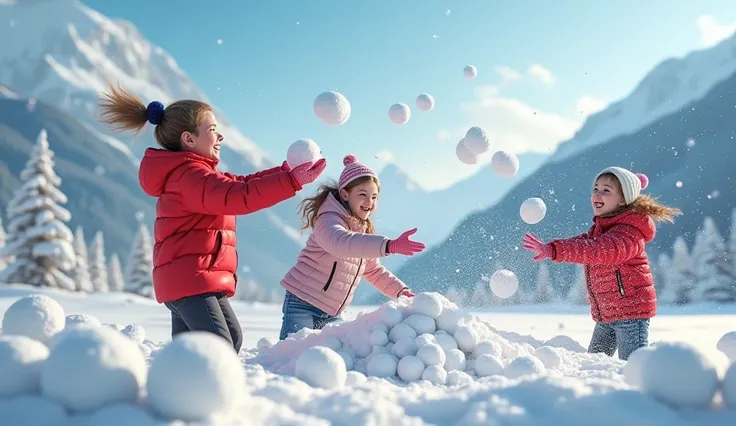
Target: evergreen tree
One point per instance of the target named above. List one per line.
(80, 272)
(662, 279)
(115, 279)
(578, 294)
(712, 265)
(139, 277)
(681, 278)
(543, 293)
(98, 264)
(38, 238)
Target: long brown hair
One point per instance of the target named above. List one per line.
(123, 111)
(309, 207)
(647, 204)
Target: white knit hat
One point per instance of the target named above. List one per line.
(631, 183)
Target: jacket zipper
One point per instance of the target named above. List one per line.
(218, 248)
(620, 281)
(332, 274)
(351, 286)
(591, 293)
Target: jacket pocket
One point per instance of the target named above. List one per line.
(620, 282)
(332, 275)
(218, 249)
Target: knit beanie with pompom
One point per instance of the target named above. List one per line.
(353, 170)
(631, 183)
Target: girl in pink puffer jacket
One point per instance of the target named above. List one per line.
(342, 248)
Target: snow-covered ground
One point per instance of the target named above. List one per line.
(523, 385)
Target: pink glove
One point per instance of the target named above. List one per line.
(534, 244)
(403, 245)
(406, 293)
(307, 173)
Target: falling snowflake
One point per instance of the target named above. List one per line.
(435, 36)
(448, 12)
(690, 142)
(678, 184)
(139, 215)
(219, 41)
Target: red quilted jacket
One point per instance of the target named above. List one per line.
(194, 231)
(617, 272)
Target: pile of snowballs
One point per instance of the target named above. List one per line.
(54, 366)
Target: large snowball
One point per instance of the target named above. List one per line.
(679, 375)
(425, 102)
(425, 339)
(487, 347)
(445, 341)
(470, 71)
(533, 210)
(466, 338)
(464, 154)
(79, 319)
(505, 164)
(421, 323)
(399, 113)
(727, 345)
(21, 359)
(449, 320)
(404, 347)
(195, 375)
(435, 374)
(390, 314)
(332, 108)
(429, 304)
(401, 330)
(524, 366)
(487, 365)
(504, 283)
(728, 387)
(431, 354)
(92, 366)
(458, 378)
(36, 316)
(549, 356)
(477, 140)
(354, 378)
(454, 360)
(378, 338)
(302, 151)
(634, 367)
(382, 365)
(410, 368)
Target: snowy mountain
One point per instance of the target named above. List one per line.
(693, 177)
(671, 85)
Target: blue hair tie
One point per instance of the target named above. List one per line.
(155, 112)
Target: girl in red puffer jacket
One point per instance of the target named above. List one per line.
(617, 273)
(194, 255)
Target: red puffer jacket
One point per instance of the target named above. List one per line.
(194, 231)
(617, 272)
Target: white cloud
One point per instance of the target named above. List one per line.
(712, 31)
(508, 74)
(588, 105)
(512, 124)
(542, 74)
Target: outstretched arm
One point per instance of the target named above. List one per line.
(335, 238)
(273, 170)
(619, 244)
(383, 280)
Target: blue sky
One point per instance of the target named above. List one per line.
(561, 59)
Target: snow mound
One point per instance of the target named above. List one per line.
(80, 319)
(92, 366)
(21, 359)
(36, 316)
(196, 375)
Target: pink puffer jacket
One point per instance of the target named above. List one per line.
(336, 256)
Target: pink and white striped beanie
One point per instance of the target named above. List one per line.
(353, 170)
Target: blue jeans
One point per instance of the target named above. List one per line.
(626, 336)
(299, 314)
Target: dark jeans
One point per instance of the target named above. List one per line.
(206, 312)
(299, 314)
(627, 336)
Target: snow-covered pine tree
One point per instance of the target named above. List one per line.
(578, 293)
(115, 279)
(2, 242)
(139, 277)
(80, 272)
(681, 280)
(38, 238)
(712, 266)
(543, 292)
(98, 264)
(661, 272)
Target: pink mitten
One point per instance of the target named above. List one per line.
(403, 245)
(406, 293)
(534, 244)
(307, 172)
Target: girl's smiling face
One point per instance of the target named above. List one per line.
(607, 195)
(362, 199)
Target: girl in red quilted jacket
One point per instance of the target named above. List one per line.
(194, 255)
(617, 273)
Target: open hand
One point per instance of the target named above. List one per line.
(535, 245)
(403, 245)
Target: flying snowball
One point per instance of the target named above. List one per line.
(533, 210)
(399, 113)
(302, 151)
(429, 304)
(425, 102)
(470, 71)
(464, 154)
(37, 316)
(410, 368)
(477, 140)
(21, 359)
(504, 283)
(505, 164)
(332, 108)
(382, 365)
(435, 374)
(79, 319)
(320, 366)
(212, 381)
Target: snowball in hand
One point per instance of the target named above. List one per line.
(195, 375)
(470, 71)
(21, 359)
(533, 210)
(332, 108)
(477, 140)
(464, 154)
(37, 316)
(322, 367)
(425, 102)
(505, 164)
(504, 283)
(399, 113)
(93, 366)
(302, 151)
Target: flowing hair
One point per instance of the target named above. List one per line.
(647, 204)
(309, 207)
